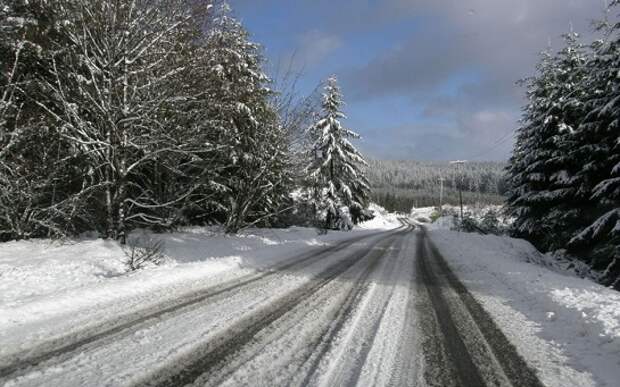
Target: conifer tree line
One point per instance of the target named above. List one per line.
(154, 113)
(403, 200)
(565, 169)
(399, 185)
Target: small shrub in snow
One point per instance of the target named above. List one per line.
(343, 220)
(142, 252)
(487, 220)
(321, 231)
(467, 224)
(423, 219)
(490, 223)
(361, 214)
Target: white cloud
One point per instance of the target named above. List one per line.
(315, 46)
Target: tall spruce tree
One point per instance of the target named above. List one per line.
(533, 148)
(565, 169)
(37, 177)
(597, 147)
(544, 200)
(251, 143)
(340, 189)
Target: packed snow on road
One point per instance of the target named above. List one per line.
(292, 306)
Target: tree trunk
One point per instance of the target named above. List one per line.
(122, 212)
(109, 202)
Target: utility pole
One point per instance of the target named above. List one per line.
(461, 201)
(458, 164)
(441, 179)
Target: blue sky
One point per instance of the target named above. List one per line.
(423, 79)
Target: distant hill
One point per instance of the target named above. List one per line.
(399, 185)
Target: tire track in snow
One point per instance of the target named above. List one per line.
(374, 344)
(321, 348)
(51, 352)
(461, 363)
(218, 351)
(475, 349)
(349, 356)
(405, 369)
(296, 336)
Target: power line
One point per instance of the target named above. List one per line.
(502, 140)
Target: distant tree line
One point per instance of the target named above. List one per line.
(399, 185)
(565, 168)
(402, 200)
(153, 113)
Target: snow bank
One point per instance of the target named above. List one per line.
(423, 214)
(31, 269)
(383, 219)
(442, 223)
(42, 281)
(566, 327)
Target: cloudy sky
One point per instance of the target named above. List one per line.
(423, 79)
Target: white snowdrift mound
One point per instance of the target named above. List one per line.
(566, 327)
(383, 219)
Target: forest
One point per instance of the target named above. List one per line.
(157, 114)
(399, 185)
(564, 173)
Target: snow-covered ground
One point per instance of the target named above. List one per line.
(422, 214)
(43, 282)
(566, 327)
(383, 219)
(33, 271)
(50, 290)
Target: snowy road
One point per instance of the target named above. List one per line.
(375, 310)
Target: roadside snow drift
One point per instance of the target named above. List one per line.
(383, 219)
(566, 327)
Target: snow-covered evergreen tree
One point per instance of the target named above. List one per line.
(36, 176)
(251, 144)
(597, 147)
(339, 188)
(532, 148)
(565, 169)
(546, 205)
